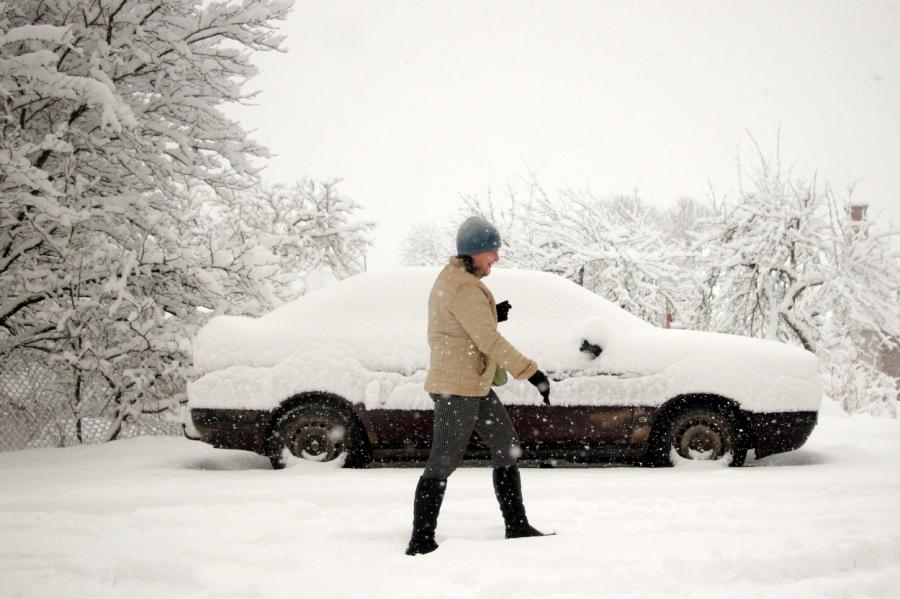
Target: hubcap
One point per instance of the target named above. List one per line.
(315, 438)
(700, 439)
(699, 442)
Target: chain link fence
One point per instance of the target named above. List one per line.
(38, 408)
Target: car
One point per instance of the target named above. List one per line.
(339, 373)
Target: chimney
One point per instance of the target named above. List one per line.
(858, 221)
(858, 212)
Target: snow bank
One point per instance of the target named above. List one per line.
(167, 517)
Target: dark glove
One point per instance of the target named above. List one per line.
(540, 380)
(503, 310)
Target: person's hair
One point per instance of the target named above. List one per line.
(468, 263)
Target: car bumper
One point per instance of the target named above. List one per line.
(233, 429)
(776, 432)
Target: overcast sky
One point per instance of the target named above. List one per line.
(414, 103)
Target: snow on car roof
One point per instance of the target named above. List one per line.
(364, 339)
(379, 318)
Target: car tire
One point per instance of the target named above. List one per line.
(318, 433)
(698, 433)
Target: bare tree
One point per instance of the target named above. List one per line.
(614, 247)
(427, 244)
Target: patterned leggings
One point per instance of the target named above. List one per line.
(455, 417)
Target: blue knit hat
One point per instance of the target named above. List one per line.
(476, 235)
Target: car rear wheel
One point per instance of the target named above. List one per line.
(318, 433)
(699, 434)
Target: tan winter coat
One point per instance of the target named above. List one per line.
(462, 334)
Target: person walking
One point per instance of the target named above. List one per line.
(467, 355)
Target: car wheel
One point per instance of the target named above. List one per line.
(699, 434)
(318, 433)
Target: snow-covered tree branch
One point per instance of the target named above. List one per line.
(110, 110)
(786, 262)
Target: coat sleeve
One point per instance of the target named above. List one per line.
(472, 308)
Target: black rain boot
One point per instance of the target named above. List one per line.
(426, 507)
(508, 487)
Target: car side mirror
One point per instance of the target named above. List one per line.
(590, 348)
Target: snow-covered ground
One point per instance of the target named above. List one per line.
(168, 517)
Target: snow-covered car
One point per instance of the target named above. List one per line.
(341, 371)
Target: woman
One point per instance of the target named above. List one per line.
(467, 353)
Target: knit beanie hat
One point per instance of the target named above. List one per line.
(476, 235)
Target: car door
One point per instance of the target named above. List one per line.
(563, 425)
(401, 429)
